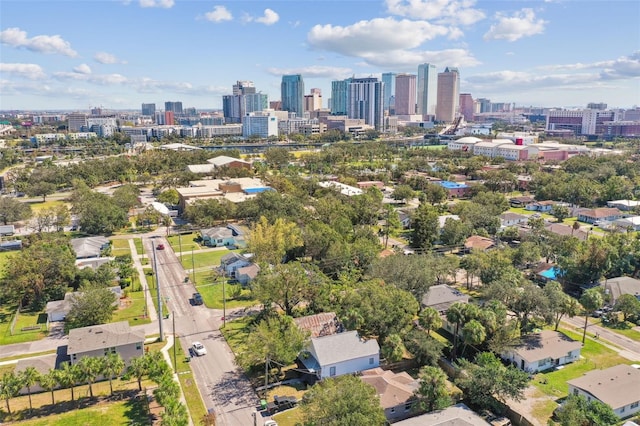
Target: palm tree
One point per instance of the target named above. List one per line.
(29, 377)
(112, 366)
(49, 382)
(432, 393)
(138, 368)
(455, 315)
(67, 377)
(10, 386)
(90, 368)
(430, 319)
(473, 333)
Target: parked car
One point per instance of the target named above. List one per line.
(160, 247)
(197, 299)
(270, 423)
(281, 403)
(199, 349)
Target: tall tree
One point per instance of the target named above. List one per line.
(628, 304)
(276, 339)
(270, 242)
(455, 315)
(285, 285)
(138, 368)
(426, 227)
(344, 400)
(560, 303)
(112, 366)
(425, 349)
(591, 300)
(10, 385)
(89, 368)
(92, 306)
(392, 348)
(29, 377)
(13, 210)
(473, 334)
(577, 411)
(48, 382)
(432, 394)
(67, 376)
(430, 319)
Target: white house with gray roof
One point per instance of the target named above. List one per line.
(101, 340)
(543, 351)
(440, 297)
(339, 354)
(618, 387)
(89, 247)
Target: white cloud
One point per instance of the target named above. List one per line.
(408, 60)
(149, 85)
(455, 12)
(512, 28)
(504, 81)
(107, 58)
(269, 18)
(218, 14)
(43, 43)
(623, 67)
(319, 71)
(165, 4)
(82, 69)
(100, 79)
(377, 35)
(30, 71)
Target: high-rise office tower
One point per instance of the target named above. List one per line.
(427, 89)
(448, 95)
(149, 109)
(77, 120)
(292, 94)
(466, 106)
(175, 107)
(313, 101)
(339, 96)
(389, 80)
(366, 101)
(405, 94)
(243, 87)
(485, 105)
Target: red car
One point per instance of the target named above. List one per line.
(160, 247)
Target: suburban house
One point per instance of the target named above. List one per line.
(217, 237)
(456, 415)
(616, 287)
(101, 340)
(230, 263)
(476, 242)
(57, 310)
(628, 223)
(512, 219)
(441, 297)
(318, 325)
(624, 205)
(454, 189)
(541, 206)
(396, 391)
(442, 220)
(543, 351)
(618, 387)
(89, 247)
(246, 274)
(338, 354)
(566, 230)
(520, 202)
(6, 230)
(602, 214)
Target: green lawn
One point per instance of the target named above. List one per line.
(235, 295)
(189, 385)
(186, 241)
(134, 311)
(138, 244)
(106, 413)
(235, 333)
(594, 356)
(25, 319)
(152, 288)
(120, 247)
(291, 417)
(37, 206)
(204, 260)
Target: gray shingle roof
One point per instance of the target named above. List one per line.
(89, 246)
(440, 297)
(546, 344)
(98, 337)
(342, 347)
(616, 386)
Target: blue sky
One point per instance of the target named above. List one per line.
(77, 54)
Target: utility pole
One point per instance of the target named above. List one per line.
(266, 376)
(224, 303)
(180, 243)
(175, 342)
(155, 266)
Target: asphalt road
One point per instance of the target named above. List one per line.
(223, 386)
(629, 348)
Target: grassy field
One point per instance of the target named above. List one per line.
(187, 242)
(37, 206)
(152, 287)
(593, 356)
(120, 247)
(134, 310)
(197, 410)
(235, 295)
(25, 320)
(291, 417)
(235, 333)
(138, 243)
(127, 412)
(204, 260)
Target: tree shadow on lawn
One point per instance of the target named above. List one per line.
(136, 414)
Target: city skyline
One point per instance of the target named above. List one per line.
(75, 55)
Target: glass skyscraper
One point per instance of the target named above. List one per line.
(292, 94)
